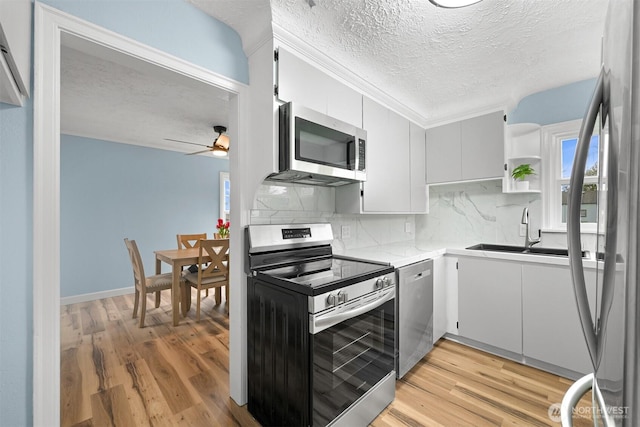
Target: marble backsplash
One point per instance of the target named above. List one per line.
(459, 215)
(474, 212)
(467, 213)
(284, 203)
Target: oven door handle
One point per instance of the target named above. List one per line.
(319, 325)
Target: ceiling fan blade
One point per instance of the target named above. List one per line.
(200, 152)
(185, 142)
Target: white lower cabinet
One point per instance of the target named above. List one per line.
(490, 302)
(551, 328)
(439, 298)
(527, 308)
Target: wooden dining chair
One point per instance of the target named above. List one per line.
(189, 240)
(186, 241)
(213, 275)
(145, 285)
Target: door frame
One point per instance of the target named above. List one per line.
(50, 26)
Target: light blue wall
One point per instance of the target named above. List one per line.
(16, 290)
(172, 26)
(109, 191)
(560, 104)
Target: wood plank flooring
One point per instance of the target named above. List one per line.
(116, 374)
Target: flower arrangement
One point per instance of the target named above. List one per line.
(223, 229)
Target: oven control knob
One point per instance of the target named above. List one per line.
(332, 299)
(386, 282)
(342, 297)
(380, 283)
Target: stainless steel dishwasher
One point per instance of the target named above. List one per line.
(414, 314)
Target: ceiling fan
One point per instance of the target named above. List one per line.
(219, 148)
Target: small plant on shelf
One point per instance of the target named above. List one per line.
(520, 172)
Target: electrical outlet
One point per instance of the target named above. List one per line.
(523, 230)
(407, 227)
(345, 232)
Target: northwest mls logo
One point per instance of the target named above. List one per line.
(610, 412)
(554, 413)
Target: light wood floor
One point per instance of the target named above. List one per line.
(114, 373)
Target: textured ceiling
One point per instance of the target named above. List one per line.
(440, 63)
(111, 96)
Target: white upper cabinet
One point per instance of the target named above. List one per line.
(15, 39)
(444, 152)
(482, 141)
(300, 82)
(395, 166)
(388, 185)
(471, 149)
(417, 168)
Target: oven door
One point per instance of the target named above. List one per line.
(352, 349)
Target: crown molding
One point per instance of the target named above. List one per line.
(328, 65)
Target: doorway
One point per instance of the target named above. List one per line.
(53, 29)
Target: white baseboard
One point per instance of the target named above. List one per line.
(96, 295)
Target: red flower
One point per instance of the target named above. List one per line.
(227, 225)
(220, 222)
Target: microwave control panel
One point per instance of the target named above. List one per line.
(361, 154)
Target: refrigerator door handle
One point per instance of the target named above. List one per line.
(573, 218)
(572, 397)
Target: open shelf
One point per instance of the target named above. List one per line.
(522, 146)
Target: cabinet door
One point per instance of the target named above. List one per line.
(301, 82)
(344, 103)
(482, 140)
(443, 154)
(417, 168)
(551, 328)
(489, 302)
(387, 188)
(439, 298)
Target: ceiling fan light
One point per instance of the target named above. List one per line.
(451, 4)
(219, 151)
(223, 141)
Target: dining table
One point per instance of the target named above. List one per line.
(178, 258)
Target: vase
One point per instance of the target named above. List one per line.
(521, 185)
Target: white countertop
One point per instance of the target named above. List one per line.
(511, 256)
(404, 253)
(397, 254)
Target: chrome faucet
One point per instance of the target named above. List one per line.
(528, 241)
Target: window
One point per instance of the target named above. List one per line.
(225, 196)
(559, 147)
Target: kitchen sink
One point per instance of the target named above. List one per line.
(521, 250)
(496, 248)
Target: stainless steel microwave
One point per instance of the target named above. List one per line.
(317, 149)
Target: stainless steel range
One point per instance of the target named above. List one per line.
(321, 330)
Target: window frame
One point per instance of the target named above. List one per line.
(225, 202)
(552, 136)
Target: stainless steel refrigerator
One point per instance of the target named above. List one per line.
(612, 337)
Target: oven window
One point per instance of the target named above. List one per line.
(318, 144)
(349, 359)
